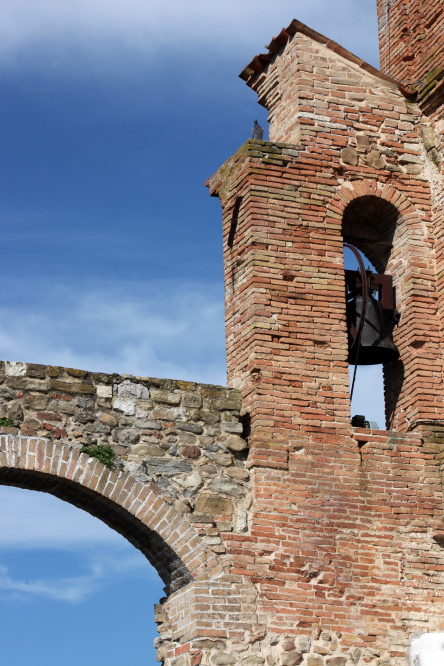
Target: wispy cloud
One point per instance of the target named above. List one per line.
(102, 572)
(107, 27)
(40, 526)
(31, 520)
(154, 328)
(163, 328)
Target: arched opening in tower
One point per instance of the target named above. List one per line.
(369, 226)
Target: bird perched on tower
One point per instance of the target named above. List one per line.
(258, 132)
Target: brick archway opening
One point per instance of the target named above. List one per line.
(371, 222)
(170, 567)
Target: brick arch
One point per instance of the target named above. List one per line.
(134, 509)
(412, 264)
(369, 209)
(371, 218)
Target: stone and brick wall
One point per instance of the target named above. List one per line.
(184, 437)
(345, 539)
(345, 548)
(178, 483)
(342, 556)
(284, 536)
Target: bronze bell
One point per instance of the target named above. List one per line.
(370, 339)
(376, 343)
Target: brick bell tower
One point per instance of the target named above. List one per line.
(346, 521)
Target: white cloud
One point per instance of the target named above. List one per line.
(157, 328)
(102, 571)
(110, 27)
(31, 520)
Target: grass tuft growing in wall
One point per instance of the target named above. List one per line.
(103, 453)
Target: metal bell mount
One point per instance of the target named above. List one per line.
(370, 320)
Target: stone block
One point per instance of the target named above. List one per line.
(238, 473)
(209, 644)
(71, 387)
(428, 137)
(104, 391)
(125, 405)
(169, 467)
(191, 452)
(36, 371)
(165, 397)
(201, 518)
(182, 506)
(292, 658)
(223, 659)
(232, 427)
(191, 482)
(350, 156)
(27, 384)
(236, 444)
(131, 390)
(215, 505)
(15, 369)
(374, 160)
(406, 158)
(80, 374)
(127, 436)
(223, 459)
(62, 406)
(109, 420)
(227, 487)
(148, 424)
(228, 404)
(36, 402)
(362, 141)
(190, 427)
(192, 400)
(187, 438)
(147, 450)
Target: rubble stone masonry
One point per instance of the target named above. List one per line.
(284, 535)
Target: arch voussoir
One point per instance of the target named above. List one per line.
(138, 510)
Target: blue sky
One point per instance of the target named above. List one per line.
(113, 114)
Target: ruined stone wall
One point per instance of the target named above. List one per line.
(184, 437)
(340, 558)
(178, 483)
